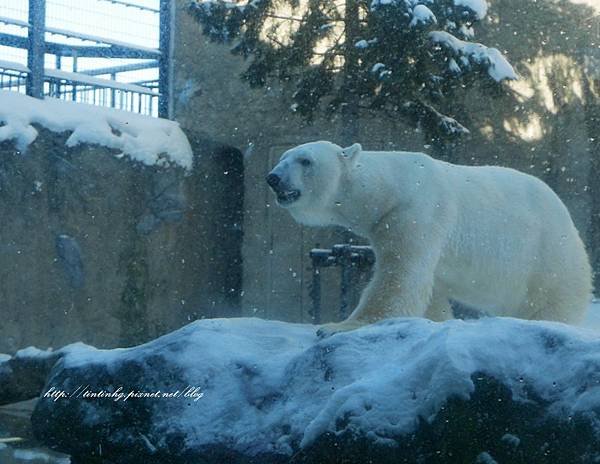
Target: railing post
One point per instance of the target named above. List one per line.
(345, 260)
(75, 69)
(165, 73)
(315, 289)
(113, 94)
(37, 48)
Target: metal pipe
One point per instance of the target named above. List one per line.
(36, 48)
(165, 70)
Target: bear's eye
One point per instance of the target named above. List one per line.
(305, 162)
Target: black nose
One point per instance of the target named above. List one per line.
(273, 180)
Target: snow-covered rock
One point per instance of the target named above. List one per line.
(402, 390)
(147, 140)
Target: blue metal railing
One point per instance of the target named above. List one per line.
(99, 86)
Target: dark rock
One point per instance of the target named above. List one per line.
(147, 224)
(253, 391)
(69, 255)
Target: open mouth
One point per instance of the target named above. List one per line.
(287, 197)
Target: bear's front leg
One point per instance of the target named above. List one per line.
(402, 286)
(388, 295)
(404, 292)
(326, 330)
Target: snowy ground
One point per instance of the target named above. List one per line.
(274, 387)
(15, 422)
(271, 387)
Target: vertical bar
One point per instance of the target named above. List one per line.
(350, 111)
(113, 77)
(74, 70)
(315, 288)
(165, 68)
(316, 294)
(57, 84)
(345, 284)
(37, 48)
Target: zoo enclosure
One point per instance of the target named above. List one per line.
(126, 66)
(352, 261)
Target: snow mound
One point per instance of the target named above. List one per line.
(150, 141)
(272, 388)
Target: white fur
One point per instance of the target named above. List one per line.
(490, 237)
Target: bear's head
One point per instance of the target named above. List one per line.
(308, 180)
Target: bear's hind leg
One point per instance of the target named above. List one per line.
(561, 302)
(439, 308)
(568, 312)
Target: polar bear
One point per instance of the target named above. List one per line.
(489, 237)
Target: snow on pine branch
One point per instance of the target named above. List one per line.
(422, 15)
(151, 141)
(477, 7)
(392, 46)
(496, 64)
(229, 5)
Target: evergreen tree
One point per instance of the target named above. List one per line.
(405, 58)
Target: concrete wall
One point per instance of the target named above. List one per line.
(542, 128)
(112, 253)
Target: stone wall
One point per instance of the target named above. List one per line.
(103, 250)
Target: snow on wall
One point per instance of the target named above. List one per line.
(148, 140)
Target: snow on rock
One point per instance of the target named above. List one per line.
(592, 318)
(267, 388)
(141, 138)
(32, 352)
(479, 7)
(497, 65)
(38, 456)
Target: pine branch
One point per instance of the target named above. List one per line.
(386, 53)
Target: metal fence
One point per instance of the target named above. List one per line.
(113, 53)
(356, 263)
(352, 260)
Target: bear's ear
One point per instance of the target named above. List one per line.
(351, 151)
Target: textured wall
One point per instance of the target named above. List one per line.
(110, 252)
